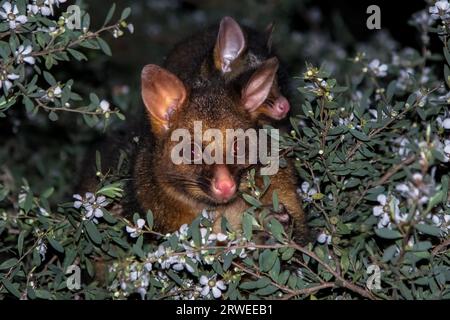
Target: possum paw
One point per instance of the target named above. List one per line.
(282, 215)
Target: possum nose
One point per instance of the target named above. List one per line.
(281, 108)
(223, 185)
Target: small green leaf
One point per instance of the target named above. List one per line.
(359, 135)
(93, 232)
(428, 229)
(150, 219)
(247, 225)
(55, 244)
(386, 233)
(267, 259)
(8, 264)
(49, 78)
(104, 46)
(53, 116)
(110, 14)
(125, 13)
(11, 288)
(20, 242)
(251, 200)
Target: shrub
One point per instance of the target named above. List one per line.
(371, 147)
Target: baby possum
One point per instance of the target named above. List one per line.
(231, 53)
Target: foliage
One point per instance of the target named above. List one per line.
(372, 150)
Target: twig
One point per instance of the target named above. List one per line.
(393, 171)
(441, 246)
(346, 284)
(291, 292)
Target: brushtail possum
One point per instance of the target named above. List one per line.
(227, 79)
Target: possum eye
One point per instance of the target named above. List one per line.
(270, 102)
(194, 153)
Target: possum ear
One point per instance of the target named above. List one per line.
(163, 94)
(230, 44)
(258, 87)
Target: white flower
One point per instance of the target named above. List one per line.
(180, 263)
(416, 189)
(239, 251)
(44, 212)
(56, 2)
(182, 233)
(210, 284)
(23, 54)
(324, 238)
(40, 6)
(11, 14)
(446, 124)
(52, 93)
(92, 205)
(385, 210)
(441, 9)
(42, 249)
(307, 192)
(104, 105)
(380, 70)
(5, 79)
(136, 231)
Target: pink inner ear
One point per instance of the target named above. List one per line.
(162, 93)
(259, 85)
(230, 43)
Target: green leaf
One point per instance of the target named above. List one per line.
(288, 254)
(267, 259)
(125, 13)
(20, 242)
(428, 229)
(104, 46)
(53, 116)
(137, 247)
(276, 229)
(447, 55)
(247, 225)
(79, 56)
(445, 182)
(251, 200)
(270, 289)
(49, 78)
(391, 90)
(43, 294)
(386, 233)
(93, 232)
(359, 135)
(55, 244)
(8, 264)
(110, 14)
(150, 219)
(11, 288)
(422, 246)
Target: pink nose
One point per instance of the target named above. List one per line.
(223, 185)
(281, 108)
